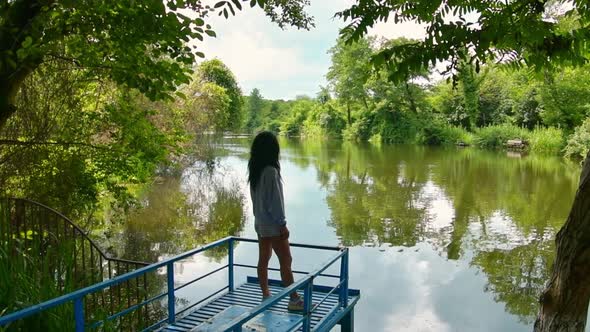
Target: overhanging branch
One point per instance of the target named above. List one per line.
(34, 143)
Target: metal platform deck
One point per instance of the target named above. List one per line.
(230, 308)
(225, 308)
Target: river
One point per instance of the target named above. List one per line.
(442, 239)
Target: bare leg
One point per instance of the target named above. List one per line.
(283, 251)
(264, 254)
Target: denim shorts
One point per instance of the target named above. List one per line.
(268, 230)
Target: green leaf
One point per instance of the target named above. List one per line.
(11, 63)
(252, 3)
(237, 4)
(27, 42)
(220, 4)
(21, 54)
(231, 8)
(200, 54)
(211, 33)
(199, 21)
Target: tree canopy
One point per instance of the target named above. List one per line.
(518, 32)
(216, 72)
(137, 44)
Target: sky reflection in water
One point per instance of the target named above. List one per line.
(441, 240)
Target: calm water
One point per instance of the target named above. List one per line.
(441, 239)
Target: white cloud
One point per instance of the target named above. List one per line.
(252, 56)
(285, 63)
(391, 30)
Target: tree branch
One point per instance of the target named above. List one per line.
(33, 143)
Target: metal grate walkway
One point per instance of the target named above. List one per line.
(213, 315)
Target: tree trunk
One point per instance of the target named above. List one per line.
(564, 303)
(411, 99)
(7, 107)
(365, 103)
(348, 114)
(19, 20)
(10, 84)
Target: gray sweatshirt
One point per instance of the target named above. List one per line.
(268, 203)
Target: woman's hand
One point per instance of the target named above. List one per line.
(284, 232)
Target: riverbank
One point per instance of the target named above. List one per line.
(411, 130)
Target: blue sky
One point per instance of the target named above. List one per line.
(283, 64)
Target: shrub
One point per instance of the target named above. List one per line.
(440, 133)
(547, 140)
(579, 142)
(360, 130)
(496, 136)
(397, 127)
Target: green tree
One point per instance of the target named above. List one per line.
(205, 107)
(325, 119)
(255, 111)
(74, 139)
(470, 88)
(349, 72)
(566, 98)
(296, 115)
(518, 32)
(136, 44)
(215, 71)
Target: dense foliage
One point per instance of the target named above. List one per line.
(136, 44)
(486, 108)
(76, 139)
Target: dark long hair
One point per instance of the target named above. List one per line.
(264, 152)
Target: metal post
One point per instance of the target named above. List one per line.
(230, 263)
(307, 298)
(347, 322)
(79, 314)
(344, 279)
(171, 301)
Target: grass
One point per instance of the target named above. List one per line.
(547, 140)
(23, 286)
(494, 137)
(440, 133)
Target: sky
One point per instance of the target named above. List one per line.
(284, 64)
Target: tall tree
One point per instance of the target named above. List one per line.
(215, 71)
(350, 71)
(255, 109)
(138, 44)
(518, 32)
(470, 88)
(206, 107)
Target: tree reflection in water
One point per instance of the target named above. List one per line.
(500, 213)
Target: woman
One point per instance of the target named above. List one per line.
(266, 190)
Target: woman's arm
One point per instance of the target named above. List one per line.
(273, 200)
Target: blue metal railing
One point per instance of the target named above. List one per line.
(58, 255)
(306, 283)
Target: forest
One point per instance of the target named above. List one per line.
(487, 106)
(96, 138)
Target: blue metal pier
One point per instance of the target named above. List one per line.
(231, 308)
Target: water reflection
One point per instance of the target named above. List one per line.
(504, 211)
(497, 214)
(177, 214)
(442, 239)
